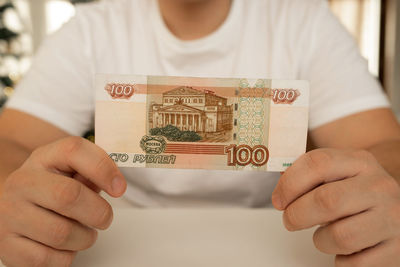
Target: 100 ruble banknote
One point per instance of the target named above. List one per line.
(201, 123)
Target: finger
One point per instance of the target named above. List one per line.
(315, 168)
(330, 202)
(68, 197)
(77, 155)
(23, 252)
(87, 182)
(384, 254)
(50, 228)
(352, 234)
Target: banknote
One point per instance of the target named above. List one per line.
(201, 123)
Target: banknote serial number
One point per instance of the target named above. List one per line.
(244, 155)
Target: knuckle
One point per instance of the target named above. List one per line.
(60, 233)
(366, 159)
(36, 157)
(384, 184)
(288, 187)
(317, 160)
(343, 238)
(36, 153)
(68, 193)
(364, 155)
(72, 144)
(326, 199)
(104, 165)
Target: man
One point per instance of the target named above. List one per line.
(349, 187)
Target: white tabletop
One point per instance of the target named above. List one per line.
(219, 237)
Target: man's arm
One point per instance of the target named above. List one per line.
(388, 155)
(20, 134)
(376, 131)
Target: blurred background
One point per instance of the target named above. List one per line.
(375, 24)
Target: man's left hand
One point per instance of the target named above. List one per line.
(353, 199)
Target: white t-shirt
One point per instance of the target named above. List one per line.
(283, 39)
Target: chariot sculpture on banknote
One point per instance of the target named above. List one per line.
(201, 123)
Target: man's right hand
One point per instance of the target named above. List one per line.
(50, 206)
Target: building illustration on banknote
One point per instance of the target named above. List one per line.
(195, 110)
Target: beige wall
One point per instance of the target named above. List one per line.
(38, 17)
(47, 16)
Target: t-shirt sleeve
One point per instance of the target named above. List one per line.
(58, 86)
(340, 82)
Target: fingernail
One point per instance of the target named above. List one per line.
(117, 185)
(276, 201)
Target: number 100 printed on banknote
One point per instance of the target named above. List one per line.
(201, 123)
